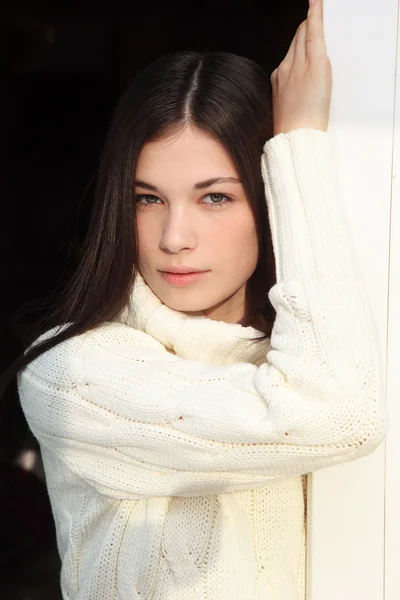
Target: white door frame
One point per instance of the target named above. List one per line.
(348, 554)
(392, 495)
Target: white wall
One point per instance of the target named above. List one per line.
(392, 522)
(346, 504)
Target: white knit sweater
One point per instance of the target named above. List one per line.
(174, 449)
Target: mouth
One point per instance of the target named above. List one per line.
(182, 270)
(180, 279)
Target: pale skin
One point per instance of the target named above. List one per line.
(200, 228)
(208, 228)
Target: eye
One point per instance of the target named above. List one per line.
(217, 195)
(140, 197)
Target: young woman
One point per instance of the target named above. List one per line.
(176, 411)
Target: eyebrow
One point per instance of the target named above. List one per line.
(198, 186)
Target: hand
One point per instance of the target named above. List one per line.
(302, 84)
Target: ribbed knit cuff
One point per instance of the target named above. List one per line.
(309, 227)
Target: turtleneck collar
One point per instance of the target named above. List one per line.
(193, 337)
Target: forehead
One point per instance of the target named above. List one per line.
(190, 153)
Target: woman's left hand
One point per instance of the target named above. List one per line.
(302, 84)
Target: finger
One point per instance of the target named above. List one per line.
(315, 46)
(291, 52)
(300, 50)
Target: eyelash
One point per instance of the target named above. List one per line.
(220, 204)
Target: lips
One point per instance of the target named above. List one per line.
(181, 270)
(183, 279)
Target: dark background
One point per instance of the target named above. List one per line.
(63, 67)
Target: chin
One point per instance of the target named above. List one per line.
(186, 306)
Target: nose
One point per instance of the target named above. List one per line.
(178, 231)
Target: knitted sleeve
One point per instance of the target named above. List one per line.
(134, 420)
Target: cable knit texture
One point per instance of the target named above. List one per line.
(175, 449)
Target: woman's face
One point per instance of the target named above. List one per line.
(180, 224)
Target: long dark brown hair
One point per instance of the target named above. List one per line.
(225, 95)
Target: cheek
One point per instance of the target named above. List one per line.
(147, 234)
(146, 244)
(237, 239)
